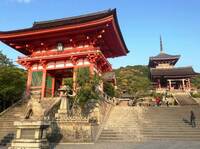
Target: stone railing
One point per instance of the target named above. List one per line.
(101, 112)
(105, 97)
(76, 128)
(52, 109)
(22, 100)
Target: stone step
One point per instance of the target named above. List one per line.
(189, 136)
(4, 124)
(8, 119)
(150, 123)
(6, 139)
(111, 140)
(7, 129)
(152, 131)
(152, 134)
(151, 127)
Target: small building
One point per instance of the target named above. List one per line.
(55, 49)
(165, 76)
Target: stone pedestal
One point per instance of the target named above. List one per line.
(30, 135)
(63, 109)
(63, 105)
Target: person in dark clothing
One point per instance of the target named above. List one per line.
(192, 119)
(167, 103)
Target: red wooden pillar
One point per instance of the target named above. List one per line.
(91, 69)
(44, 73)
(53, 87)
(74, 78)
(29, 79)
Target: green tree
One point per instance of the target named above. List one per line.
(109, 89)
(4, 61)
(12, 85)
(12, 82)
(196, 82)
(68, 82)
(86, 90)
(133, 79)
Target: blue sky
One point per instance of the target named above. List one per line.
(141, 23)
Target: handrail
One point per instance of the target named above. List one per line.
(106, 97)
(24, 97)
(48, 110)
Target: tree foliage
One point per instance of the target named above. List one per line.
(4, 61)
(12, 82)
(133, 79)
(86, 86)
(196, 82)
(109, 89)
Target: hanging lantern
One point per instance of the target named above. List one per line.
(60, 46)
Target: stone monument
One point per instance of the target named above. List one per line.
(31, 130)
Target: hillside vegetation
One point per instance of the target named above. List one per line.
(196, 82)
(133, 79)
(12, 82)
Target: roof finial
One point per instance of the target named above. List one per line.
(161, 45)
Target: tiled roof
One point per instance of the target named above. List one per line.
(164, 56)
(176, 72)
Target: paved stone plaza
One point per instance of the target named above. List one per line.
(132, 145)
(136, 145)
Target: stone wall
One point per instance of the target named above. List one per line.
(101, 112)
(77, 129)
(69, 131)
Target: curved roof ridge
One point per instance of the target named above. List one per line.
(65, 21)
(73, 17)
(165, 55)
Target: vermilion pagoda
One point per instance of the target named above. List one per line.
(55, 49)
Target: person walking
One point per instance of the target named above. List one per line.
(167, 103)
(192, 119)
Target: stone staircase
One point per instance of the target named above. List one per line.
(130, 124)
(15, 113)
(7, 129)
(184, 99)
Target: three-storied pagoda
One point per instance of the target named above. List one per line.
(55, 49)
(164, 75)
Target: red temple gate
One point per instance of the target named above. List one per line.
(55, 49)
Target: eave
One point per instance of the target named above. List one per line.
(109, 18)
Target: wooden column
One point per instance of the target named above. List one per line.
(183, 83)
(91, 69)
(186, 85)
(189, 84)
(53, 86)
(170, 84)
(44, 73)
(159, 85)
(29, 79)
(74, 78)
